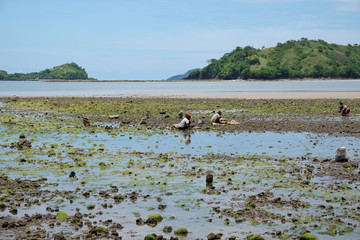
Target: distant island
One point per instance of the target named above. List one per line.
(182, 76)
(290, 60)
(68, 71)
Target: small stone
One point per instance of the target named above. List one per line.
(167, 229)
(209, 177)
(72, 174)
(59, 236)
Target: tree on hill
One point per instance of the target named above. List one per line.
(68, 71)
(293, 59)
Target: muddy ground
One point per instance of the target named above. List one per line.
(114, 191)
(298, 115)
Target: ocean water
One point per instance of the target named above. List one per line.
(198, 88)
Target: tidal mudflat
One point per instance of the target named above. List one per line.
(273, 176)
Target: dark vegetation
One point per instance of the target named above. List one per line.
(68, 71)
(293, 59)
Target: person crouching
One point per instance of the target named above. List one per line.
(184, 124)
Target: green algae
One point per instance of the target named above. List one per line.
(62, 215)
(308, 236)
(181, 231)
(156, 217)
(149, 237)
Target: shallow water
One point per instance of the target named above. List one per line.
(199, 143)
(203, 88)
(168, 167)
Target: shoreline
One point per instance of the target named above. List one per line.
(217, 95)
(245, 95)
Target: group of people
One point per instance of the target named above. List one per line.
(216, 119)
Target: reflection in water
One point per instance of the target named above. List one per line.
(187, 137)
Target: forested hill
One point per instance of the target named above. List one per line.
(293, 59)
(68, 71)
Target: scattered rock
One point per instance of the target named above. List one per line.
(59, 236)
(72, 174)
(254, 237)
(181, 231)
(209, 177)
(62, 215)
(167, 229)
(308, 236)
(340, 155)
(213, 236)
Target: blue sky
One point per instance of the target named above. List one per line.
(143, 39)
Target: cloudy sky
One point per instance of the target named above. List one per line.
(155, 39)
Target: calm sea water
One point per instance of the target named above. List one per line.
(37, 88)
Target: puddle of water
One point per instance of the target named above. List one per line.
(200, 143)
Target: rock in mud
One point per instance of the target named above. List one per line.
(72, 174)
(181, 231)
(140, 222)
(150, 237)
(254, 237)
(213, 236)
(59, 236)
(340, 155)
(308, 236)
(167, 229)
(209, 178)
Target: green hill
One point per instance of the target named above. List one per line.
(293, 59)
(68, 71)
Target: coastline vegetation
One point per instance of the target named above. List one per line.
(67, 71)
(290, 60)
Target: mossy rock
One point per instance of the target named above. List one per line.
(99, 229)
(149, 237)
(90, 207)
(308, 236)
(156, 217)
(254, 237)
(167, 229)
(181, 231)
(62, 215)
(59, 236)
(284, 236)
